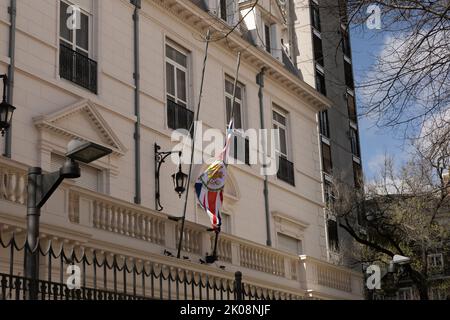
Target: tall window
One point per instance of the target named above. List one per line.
(267, 38)
(346, 43)
(176, 75)
(318, 51)
(315, 15)
(227, 10)
(324, 124)
(357, 175)
(348, 75)
(354, 142)
(238, 102)
(320, 82)
(326, 158)
(333, 238)
(279, 121)
(240, 147)
(351, 106)
(76, 38)
(286, 167)
(75, 47)
(329, 195)
(178, 114)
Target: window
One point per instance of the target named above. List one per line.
(286, 167)
(279, 122)
(318, 51)
(75, 49)
(267, 38)
(324, 124)
(357, 175)
(240, 147)
(289, 244)
(326, 158)
(226, 223)
(436, 262)
(178, 114)
(176, 75)
(329, 195)
(343, 11)
(348, 75)
(227, 10)
(354, 142)
(91, 178)
(332, 231)
(238, 102)
(346, 48)
(315, 15)
(320, 82)
(351, 106)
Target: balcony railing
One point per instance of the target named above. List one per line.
(286, 171)
(109, 219)
(240, 149)
(179, 117)
(78, 68)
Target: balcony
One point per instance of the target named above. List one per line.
(77, 68)
(179, 117)
(286, 171)
(114, 229)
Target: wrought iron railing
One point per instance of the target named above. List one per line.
(108, 276)
(78, 68)
(179, 117)
(286, 171)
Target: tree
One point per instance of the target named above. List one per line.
(404, 211)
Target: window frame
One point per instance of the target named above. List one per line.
(284, 114)
(177, 66)
(324, 167)
(240, 101)
(73, 44)
(432, 258)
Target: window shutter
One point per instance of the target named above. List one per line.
(289, 244)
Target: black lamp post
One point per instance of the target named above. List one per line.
(40, 187)
(179, 178)
(6, 110)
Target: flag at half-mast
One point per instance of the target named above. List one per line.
(209, 186)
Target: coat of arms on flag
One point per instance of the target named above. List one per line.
(209, 186)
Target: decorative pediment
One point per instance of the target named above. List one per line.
(289, 225)
(82, 121)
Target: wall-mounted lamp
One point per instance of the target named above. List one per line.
(6, 110)
(179, 178)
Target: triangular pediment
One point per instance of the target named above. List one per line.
(83, 121)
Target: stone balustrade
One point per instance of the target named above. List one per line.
(102, 212)
(316, 274)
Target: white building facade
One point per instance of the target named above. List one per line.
(85, 84)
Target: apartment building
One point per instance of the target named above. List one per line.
(125, 79)
(322, 53)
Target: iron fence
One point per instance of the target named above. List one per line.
(108, 276)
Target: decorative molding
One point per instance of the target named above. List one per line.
(107, 136)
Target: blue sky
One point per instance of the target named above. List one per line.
(375, 142)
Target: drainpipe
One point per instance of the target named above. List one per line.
(11, 53)
(260, 82)
(137, 111)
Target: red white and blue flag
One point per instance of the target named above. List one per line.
(209, 186)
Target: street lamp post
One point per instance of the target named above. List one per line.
(40, 188)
